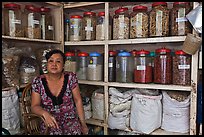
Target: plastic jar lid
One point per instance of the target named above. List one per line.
(121, 9)
(180, 52)
(66, 20)
(83, 54)
(76, 16)
(12, 6)
(159, 3)
(134, 52)
(112, 53)
(163, 50)
(101, 14)
(32, 8)
(140, 7)
(152, 54)
(143, 52)
(180, 3)
(90, 13)
(68, 54)
(94, 54)
(43, 9)
(124, 54)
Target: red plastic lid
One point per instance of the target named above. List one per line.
(43, 9)
(180, 3)
(163, 50)
(83, 54)
(143, 52)
(159, 3)
(139, 7)
(76, 16)
(112, 53)
(32, 8)
(12, 6)
(180, 52)
(101, 13)
(68, 54)
(89, 13)
(121, 9)
(134, 52)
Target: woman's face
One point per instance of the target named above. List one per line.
(55, 64)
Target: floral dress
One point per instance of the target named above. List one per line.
(61, 107)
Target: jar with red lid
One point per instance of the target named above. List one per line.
(47, 24)
(32, 19)
(13, 20)
(180, 25)
(112, 66)
(134, 54)
(70, 62)
(2, 20)
(163, 66)
(139, 22)
(82, 64)
(143, 69)
(181, 68)
(121, 24)
(89, 26)
(159, 20)
(75, 31)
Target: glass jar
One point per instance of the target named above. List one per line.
(152, 56)
(163, 66)
(82, 64)
(70, 63)
(75, 31)
(95, 67)
(112, 66)
(13, 20)
(32, 19)
(89, 26)
(180, 25)
(66, 30)
(134, 54)
(139, 22)
(2, 20)
(121, 23)
(143, 69)
(124, 67)
(47, 24)
(159, 20)
(181, 68)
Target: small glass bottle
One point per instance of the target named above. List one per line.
(100, 26)
(112, 66)
(70, 63)
(13, 20)
(75, 30)
(82, 64)
(181, 68)
(66, 30)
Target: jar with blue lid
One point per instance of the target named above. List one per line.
(95, 66)
(124, 67)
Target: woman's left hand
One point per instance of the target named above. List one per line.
(85, 129)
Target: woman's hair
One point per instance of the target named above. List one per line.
(55, 51)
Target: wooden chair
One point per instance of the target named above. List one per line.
(32, 121)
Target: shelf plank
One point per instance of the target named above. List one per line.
(67, 43)
(28, 39)
(95, 122)
(80, 4)
(100, 83)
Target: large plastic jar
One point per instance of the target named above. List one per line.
(70, 63)
(124, 67)
(143, 69)
(32, 19)
(121, 24)
(13, 20)
(181, 68)
(66, 30)
(2, 20)
(163, 66)
(47, 24)
(75, 30)
(179, 23)
(95, 66)
(89, 26)
(139, 22)
(159, 20)
(82, 64)
(112, 66)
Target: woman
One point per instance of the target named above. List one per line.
(56, 97)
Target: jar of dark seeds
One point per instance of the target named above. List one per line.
(13, 20)
(112, 66)
(181, 68)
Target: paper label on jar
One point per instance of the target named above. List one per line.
(110, 65)
(92, 66)
(50, 27)
(141, 67)
(29, 70)
(183, 66)
(36, 22)
(12, 27)
(159, 22)
(16, 21)
(89, 28)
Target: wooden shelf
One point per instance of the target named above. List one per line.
(80, 4)
(95, 122)
(69, 43)
(99, 83)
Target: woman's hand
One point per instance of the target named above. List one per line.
(85, 129)
(50, 120)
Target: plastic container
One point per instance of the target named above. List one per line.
(66, 30)
(180, 25)
(159, 20)
(82, 64)
(70, 63)
(143, 69)
(163, 66)
(181, 68)
(32, 19)
(2, 20)
(121, 24)
(75, 31)
(139, 22)
(47, 24)
(95, 67)
(13, 20)
(112, 66)
(124, 67)
(89, 26)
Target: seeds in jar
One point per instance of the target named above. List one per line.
(121, 27)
